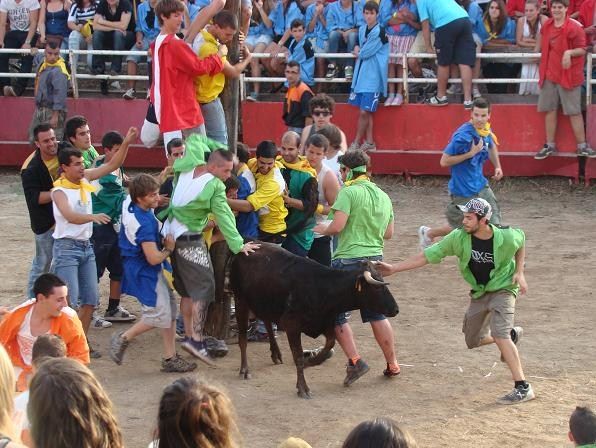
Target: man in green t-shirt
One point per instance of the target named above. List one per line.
(491, 260)
(199, 191)
(77, 133)
(363, 219)
(582, 427)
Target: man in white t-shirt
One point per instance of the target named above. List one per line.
(47, 313)
(73, 256)
(21, 17)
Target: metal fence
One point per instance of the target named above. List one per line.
(405, 80)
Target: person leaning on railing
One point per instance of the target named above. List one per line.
(21, 20)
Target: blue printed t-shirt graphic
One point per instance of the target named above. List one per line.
(466, 177)
(140, 278)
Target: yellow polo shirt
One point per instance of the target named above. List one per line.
(207, 87)
(268, 200)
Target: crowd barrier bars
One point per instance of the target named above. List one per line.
(405, 80)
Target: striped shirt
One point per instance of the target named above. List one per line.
(81, 16)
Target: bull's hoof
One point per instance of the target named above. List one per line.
(245, 374)
(276, 359)
(304, 394)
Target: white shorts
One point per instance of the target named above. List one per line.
(253, 40)
(164, 312)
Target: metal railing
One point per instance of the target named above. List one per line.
(405, 80)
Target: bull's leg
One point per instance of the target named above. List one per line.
(322, 356)
(275, 351)
(294, 339)
(242, 321)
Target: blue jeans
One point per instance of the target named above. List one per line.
(74, 263)
(353, 264)
(338, 45)
(42, 259)
(111, 40)
(76, 41)
(293, 247)
(215, 121)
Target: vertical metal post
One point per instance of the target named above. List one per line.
(404, 77)
(230, 95)
(73, 75)
(589, 79)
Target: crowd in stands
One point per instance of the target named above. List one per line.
(299, 30)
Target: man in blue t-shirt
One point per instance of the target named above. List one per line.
(454, 44)
(471, 145)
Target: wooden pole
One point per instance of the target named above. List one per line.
(230, 96)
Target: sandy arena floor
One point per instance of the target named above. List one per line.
(446, 393)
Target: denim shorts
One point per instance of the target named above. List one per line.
(74, 262)
(353, 264)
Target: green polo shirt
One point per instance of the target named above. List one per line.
(506, 243)
(369, 211)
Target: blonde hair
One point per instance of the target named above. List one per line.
(7, 390)
(194, 414)
(68, 407)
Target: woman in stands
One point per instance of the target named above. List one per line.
(528, 28)
(69, 408)
(192, 413)
(260, 36)
(8, 430)
(80, 19)
(497, 31)
(53, 21)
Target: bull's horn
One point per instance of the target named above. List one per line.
(373, 281)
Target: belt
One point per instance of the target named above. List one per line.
(191, 237)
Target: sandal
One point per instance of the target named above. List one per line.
(436, 101)
(389, 372)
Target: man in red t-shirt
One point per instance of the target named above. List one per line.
(562, 43)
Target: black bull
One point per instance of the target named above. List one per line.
(304, 297)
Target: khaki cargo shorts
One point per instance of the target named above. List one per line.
(490, 315)
(551, 95)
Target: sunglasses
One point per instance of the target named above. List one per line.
(321, 113)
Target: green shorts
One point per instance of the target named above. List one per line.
(455, 216)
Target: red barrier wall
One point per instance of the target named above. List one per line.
(411, 138)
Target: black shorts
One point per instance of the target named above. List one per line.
(454, 43)
(107, 251)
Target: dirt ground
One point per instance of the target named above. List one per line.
(446, 393)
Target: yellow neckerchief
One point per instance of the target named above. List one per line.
(486, 131)
(300, 165)
(59, 63)
(82, 186)
(491, 34)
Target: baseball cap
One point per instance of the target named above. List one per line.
(479, 206)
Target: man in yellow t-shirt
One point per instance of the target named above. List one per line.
(267, 200)
(208, 88)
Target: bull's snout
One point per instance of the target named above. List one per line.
(393, 310)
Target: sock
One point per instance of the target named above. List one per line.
(550, 144)
(113, 304)
(581, 145)
(354, 360)
(522, 383)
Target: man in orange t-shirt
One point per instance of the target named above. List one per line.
(47, 313)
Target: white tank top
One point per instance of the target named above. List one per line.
(65, 229)
(318, 217)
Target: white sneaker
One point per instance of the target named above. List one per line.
(476, 93)
(99, 322)
(130, 94)
(423, 239)
(453, 89)
(389, 100)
